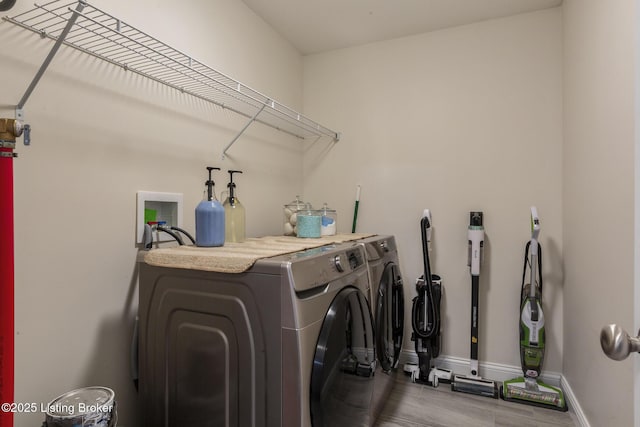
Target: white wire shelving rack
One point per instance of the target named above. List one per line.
(84, 27)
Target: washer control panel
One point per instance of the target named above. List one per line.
(356, 259)
(351, 258)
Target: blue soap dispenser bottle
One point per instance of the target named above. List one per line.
(210, 217)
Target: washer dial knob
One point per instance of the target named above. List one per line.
(337, 261)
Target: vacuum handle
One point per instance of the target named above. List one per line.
(475, 235)
(617, 343)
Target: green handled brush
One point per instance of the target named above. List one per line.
(355, 210)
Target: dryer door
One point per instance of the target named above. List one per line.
(344, 364)
(389, 317)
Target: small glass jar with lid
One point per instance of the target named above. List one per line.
(309, 222)
(290, 213)
(329, 226)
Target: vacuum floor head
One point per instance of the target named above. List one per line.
(533, 392)
(477, 386)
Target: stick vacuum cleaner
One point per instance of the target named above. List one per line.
(530, 389)
(474, 383)
(425, 316)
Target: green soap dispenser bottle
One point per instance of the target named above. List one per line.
(234, 227)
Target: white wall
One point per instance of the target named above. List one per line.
(468, 118)
(598, 190)
(99, 135)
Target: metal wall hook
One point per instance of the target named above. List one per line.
(617, 344)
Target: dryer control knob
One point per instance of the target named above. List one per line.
(384, 246)
(337, 261)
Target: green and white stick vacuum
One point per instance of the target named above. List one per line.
(529, 388)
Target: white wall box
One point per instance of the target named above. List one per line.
(165, 207)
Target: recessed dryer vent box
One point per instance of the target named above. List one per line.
(156, 206)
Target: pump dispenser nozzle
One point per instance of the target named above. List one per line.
(232, 186)
(209, 183)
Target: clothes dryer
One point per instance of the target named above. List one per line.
(386, 300)
(289, 342)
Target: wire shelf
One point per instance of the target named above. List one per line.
(97, 33)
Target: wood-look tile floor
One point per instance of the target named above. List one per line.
(417, 405)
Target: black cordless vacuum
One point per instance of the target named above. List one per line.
(473, 382)
(425, 315)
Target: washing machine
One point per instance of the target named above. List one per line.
(289, 342)
(386, 300)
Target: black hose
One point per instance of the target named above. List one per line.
(540, 268)
(524, 270)
(6, 5)
(189, 236)
(426, 292)
(418, 302)
(424, 224)
(172, 234)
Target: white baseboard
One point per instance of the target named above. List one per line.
(573, 403)
(499, 372)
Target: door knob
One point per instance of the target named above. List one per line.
(616, 342)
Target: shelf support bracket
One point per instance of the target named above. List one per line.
(251, 120)
(45, 64)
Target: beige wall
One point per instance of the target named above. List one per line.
(101, 134)
(468, 118)
(598, 191)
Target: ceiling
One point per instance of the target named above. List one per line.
(314, 26)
